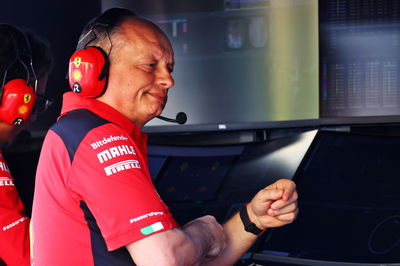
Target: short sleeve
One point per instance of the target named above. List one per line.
(110, 175)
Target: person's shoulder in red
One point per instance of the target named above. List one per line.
(14, 224)
(25, 62)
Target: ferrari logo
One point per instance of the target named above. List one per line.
(27, 98)
(77, 61)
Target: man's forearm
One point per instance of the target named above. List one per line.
(209, 241)
(238, 242)
(198, 239)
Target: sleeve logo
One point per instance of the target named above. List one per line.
(152, 228)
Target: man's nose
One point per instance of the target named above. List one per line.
(165, 79)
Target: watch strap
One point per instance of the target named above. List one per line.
(248, 225)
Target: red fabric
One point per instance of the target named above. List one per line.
(109, 173)
(14, 225)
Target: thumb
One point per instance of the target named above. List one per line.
(268, 194)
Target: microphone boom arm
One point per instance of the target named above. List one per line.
(181, 118)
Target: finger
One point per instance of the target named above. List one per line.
(278, 204)
(266, 194)
(288, 217)
(218, 245)
(288, 187)
(286, 209)
(271, 222)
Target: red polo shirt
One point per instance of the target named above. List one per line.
(93, 193)
(14, 225)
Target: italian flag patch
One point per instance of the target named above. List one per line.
(152, 228)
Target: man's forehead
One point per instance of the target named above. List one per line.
(145, 31)
(144, 35)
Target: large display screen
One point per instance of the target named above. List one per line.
(359, 59)
(238, 63)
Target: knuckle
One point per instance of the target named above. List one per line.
(295, 195)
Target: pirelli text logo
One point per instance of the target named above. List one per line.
(121, 166)
(6, 181)
(115, 152)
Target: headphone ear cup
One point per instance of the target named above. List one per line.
(17, 102)
(88, 71)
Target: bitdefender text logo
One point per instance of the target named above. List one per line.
(105, 140)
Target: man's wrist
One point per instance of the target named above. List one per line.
(249, 226)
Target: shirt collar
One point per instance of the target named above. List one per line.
(72, 101)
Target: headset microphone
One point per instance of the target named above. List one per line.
(180, 118)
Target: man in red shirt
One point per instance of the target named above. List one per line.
(95, 203)
(24, 60)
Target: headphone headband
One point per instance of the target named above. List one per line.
(19, 39)
(112, 16)
(108, 20)
(23, 54)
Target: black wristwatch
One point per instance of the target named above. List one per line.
(248, 225)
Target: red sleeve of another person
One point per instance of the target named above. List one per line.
(14, 225)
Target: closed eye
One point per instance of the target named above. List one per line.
(149, 67)
(170, 68)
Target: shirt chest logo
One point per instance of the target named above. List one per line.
(121, 166)
(114, 152)
(6, 181)
(4, 167)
